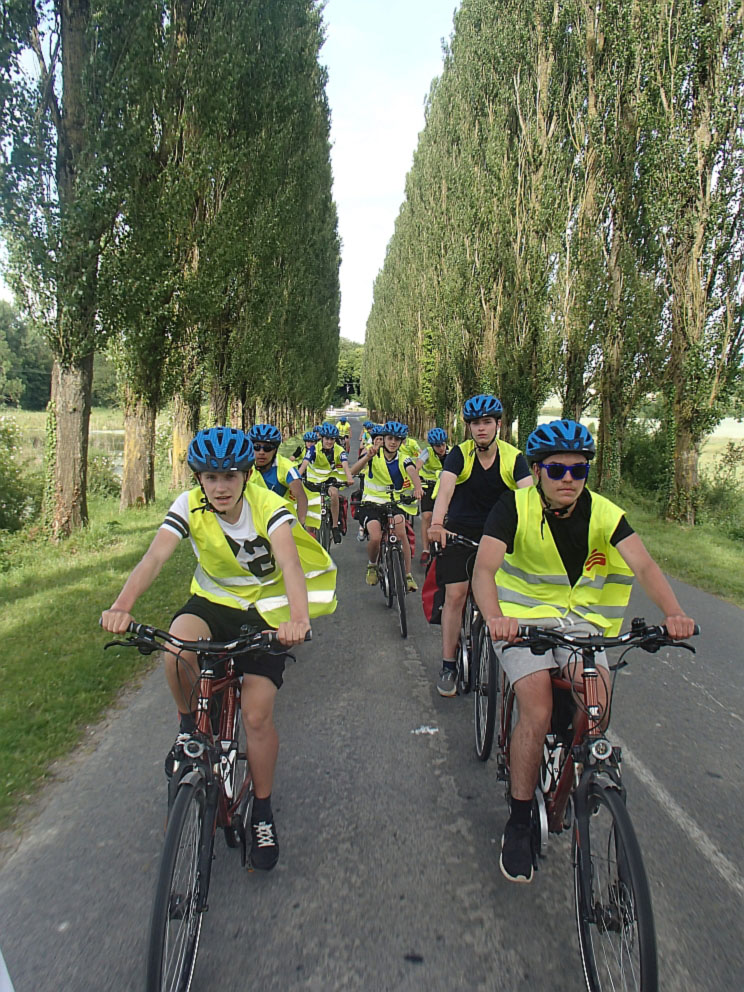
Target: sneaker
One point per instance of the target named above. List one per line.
(372, 577)
(336, 531)
(411, 583)
(264, 845)
(446, 682)
(516, 853)
(425, 558)
(361, 535)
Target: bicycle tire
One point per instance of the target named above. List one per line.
(617, 938)
(175, 922)
(324, 533)
(399, 583)
(233, 783)
(485, 696)
(386, 581)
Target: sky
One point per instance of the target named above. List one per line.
(381, 56)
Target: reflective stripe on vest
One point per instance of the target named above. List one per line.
(508, 455)
(322, 468)
(377, 480)
(538, 587)
(220, 578)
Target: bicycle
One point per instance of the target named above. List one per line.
(580, 789)
(325, 531)
(390, 561)
(209, 788)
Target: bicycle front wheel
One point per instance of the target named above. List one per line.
(324, 534)
(485, 695)
(175, 923)
(615, 921)
(399, 582)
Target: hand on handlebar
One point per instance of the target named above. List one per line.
(503, 629)
(680, 626)
(438, 534)
(292, 632)
(116, 621)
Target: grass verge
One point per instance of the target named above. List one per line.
(55, 675)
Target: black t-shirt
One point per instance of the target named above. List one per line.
(472, 500)
(571, 534)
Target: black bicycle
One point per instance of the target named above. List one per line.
(390, 563)
(325, 531)
(580, 789)
(209, 788)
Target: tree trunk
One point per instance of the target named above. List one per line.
(681, 505)
(185, 426)
(138, 476)
(69, 412)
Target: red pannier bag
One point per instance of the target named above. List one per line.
(432, 594)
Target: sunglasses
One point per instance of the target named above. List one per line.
(264, 447)
(556, 470)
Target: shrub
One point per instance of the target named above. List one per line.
(721, 498)
(20, 494)
(103, 479)
(643, 463)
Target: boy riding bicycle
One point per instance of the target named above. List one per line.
(557, 554)
(253, 562)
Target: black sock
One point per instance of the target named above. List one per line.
(448, 664)
(186, 723)
(261, 809)
(521, 810)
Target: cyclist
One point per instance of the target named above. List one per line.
(429, 466)
(557, 554)
(325, 461)
(273, 470)
(474, 475)
(365, 438)
(254, 567)
(381, 467)
(410, 446)
(344, 433)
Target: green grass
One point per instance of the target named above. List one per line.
(55, 675)
(700, 555)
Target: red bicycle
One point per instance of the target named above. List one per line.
(580, 789)
(210, 788)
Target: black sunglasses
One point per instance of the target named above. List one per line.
(557, 470)
(264, 447)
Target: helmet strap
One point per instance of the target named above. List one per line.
(487, 447)
(548, 508)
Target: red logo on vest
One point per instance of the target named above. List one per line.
(595, 558)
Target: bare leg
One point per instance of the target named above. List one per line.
(262, 741)
(454, 601)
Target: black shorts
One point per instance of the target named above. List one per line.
(374, 511)
(427, 500)
(224, 624)
(456, 562)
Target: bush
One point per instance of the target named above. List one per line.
(721, 499)
(643, 463)
(20, 494)
(103, 479)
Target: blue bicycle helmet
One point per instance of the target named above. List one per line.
(266, 433)
(559, 437)
(377, 430)
(310, 436)
(328, 430)
(220, 449)
(483, 405)
(437, 435)
(395, 429)
(367, 424)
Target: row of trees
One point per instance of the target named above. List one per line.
(573, 224)
(165, 193)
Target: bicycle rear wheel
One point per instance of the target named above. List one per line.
(485, 695)
(175, 923)
(614, 917)
(399, 582)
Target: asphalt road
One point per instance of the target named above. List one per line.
(389, 829)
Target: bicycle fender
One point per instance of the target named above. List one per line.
(194, 777)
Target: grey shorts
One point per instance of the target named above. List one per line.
(519, 661)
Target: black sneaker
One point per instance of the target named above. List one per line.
(336, 531)
(516, 853)
(264, 845)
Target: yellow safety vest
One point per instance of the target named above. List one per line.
(220, 578)
(283, 467)
(323, 467)
(508, 455)
(411, 448)
(344, 430)
(533, 584)
(431, 474)
(377, 479)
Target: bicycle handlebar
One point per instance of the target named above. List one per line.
(148, 639)
(465, 542)
(649, 637)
